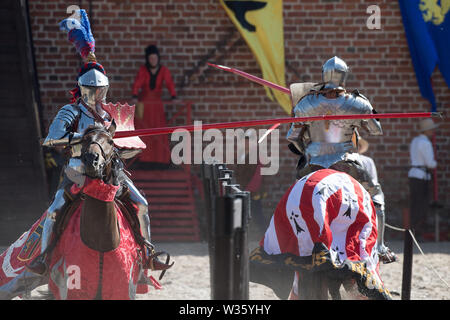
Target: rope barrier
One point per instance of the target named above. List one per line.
(420, 249)
(394, 228)
(432, 269)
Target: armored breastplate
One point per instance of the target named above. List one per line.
(85, 119)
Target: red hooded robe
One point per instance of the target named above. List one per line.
(154, 117)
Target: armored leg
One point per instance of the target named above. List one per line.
(141, 204)
(386, 255)
(380, 229)
(58, 204)
(378, 201)
(142, 207)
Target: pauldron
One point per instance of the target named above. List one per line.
(60, 130)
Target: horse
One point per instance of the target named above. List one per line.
(96, 256)
(324, 232)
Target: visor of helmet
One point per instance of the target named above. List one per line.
(336, 77)
(93, 95)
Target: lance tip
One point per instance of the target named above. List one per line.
(437, 115)
(217, 66)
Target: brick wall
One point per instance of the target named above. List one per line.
(189, 33)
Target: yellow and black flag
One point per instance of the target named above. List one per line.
(260, 22)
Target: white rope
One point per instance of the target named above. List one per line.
(432, 269)
(394, 228)
(420, 249)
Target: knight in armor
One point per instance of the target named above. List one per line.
(334, 143)
(67, 129)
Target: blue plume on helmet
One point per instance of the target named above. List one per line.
(79, 33)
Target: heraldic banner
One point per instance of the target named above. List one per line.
(261, 25)
(427, 29)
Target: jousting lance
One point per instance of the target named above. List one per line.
(262, 122)
(257, 80)
(252, 78)
(274, 122)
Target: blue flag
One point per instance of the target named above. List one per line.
(427, 29)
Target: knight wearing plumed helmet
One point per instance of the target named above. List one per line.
(334, 143)
(67, 128)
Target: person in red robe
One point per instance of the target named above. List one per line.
(147, 91)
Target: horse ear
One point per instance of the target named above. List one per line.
(112, 128)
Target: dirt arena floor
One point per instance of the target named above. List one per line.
(189, 277)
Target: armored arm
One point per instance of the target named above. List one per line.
(372, 126)
(371, 183)
(298, 136)
(59, 132)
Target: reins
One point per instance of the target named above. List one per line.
(109, 158)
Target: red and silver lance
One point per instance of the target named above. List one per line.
(259, 81)
(252, 78)
(274, 122)
(262, 122)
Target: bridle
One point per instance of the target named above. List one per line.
(109, 158)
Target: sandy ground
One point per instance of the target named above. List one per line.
(189, 277)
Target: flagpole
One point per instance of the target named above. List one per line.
(252, 123)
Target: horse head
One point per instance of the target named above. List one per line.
(98, 152)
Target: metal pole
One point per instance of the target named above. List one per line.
(407, 262)
(436, 226)
(241, 254)
(230, 211)
(208, 178)
(222, 275)
(435, 195)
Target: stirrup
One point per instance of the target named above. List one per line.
(387, 255)
(157, 265)
(153, 262)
